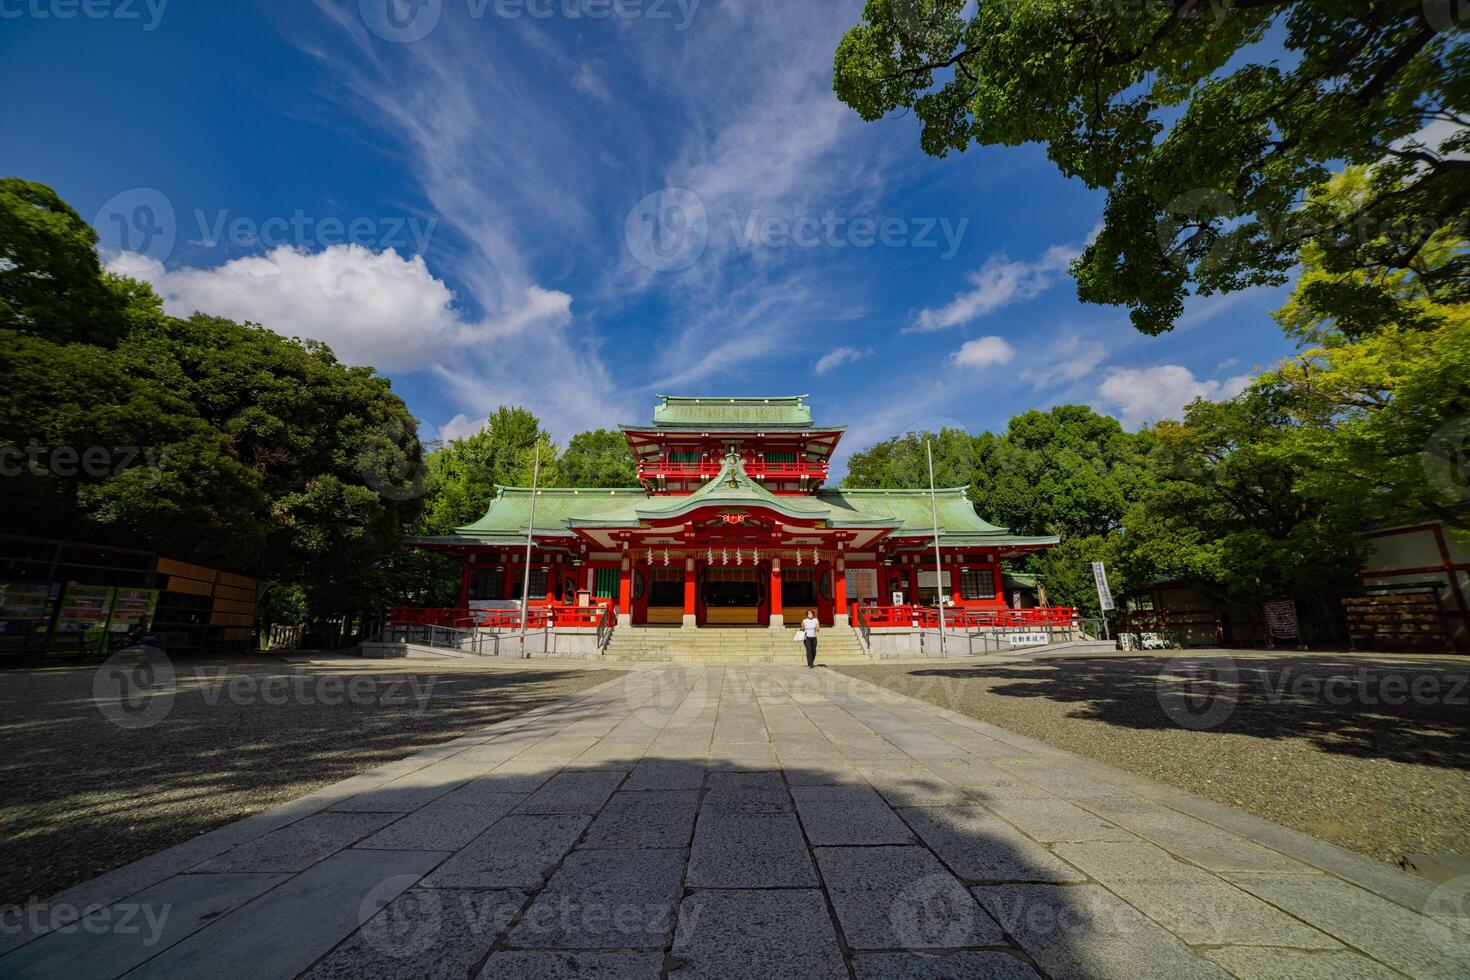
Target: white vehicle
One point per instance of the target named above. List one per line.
(1152, 641)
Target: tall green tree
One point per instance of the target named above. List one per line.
(600, 458)
(1206, 138)
(462, 476)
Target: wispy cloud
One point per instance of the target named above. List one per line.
(1065, 362)
(998, 283)
(838, 357)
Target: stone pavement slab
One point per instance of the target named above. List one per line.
(747, 821)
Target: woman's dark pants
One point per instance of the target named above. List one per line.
(811, 650)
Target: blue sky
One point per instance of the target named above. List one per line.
(495, 202)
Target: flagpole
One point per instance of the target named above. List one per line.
(530, 536)
(938, 562)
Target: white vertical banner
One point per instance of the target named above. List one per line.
(1104, 594)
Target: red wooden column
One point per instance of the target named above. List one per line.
(552, 575)
(625, 592)
(691, 618)
(778, 619)
(955, 570)
(839, 592)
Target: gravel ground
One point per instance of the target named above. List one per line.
(1377, 761)
(81, 794)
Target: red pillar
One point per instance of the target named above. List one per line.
(551, 579)
(778, 619)
(839, 592)
(1000, 586)
(625, 591)
(954, 583)
(690, 615)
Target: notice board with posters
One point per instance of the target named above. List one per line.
(131, 605)
(85, 609)
(25, 607)
(862, 584)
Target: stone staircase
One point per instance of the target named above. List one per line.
(732, 645)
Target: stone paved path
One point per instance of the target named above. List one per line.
(747, 822)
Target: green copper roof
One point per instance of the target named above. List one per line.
(786, 412)
(733, 487)
(905, 511)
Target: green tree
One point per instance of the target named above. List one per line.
(51, 280)
(462, 476)
(226, 443)
(1206, 139)
(1228, 513)
(600, 458)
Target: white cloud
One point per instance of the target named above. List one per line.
(371, 308)
(839, 356)
(999, 282)
(589, 82)
(983, 352)
(1062, 363)
(1146, 395)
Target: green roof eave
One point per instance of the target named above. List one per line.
(731, 429)
(787, 411)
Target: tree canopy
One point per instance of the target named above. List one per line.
(200, 437)
(1210, 125)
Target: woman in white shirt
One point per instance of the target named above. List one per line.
(810, 626)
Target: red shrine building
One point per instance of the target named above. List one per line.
(732, 525)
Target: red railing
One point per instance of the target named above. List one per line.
(537, 617)
(961, 617)
(708, 469)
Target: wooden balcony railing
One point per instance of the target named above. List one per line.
(709, 469)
